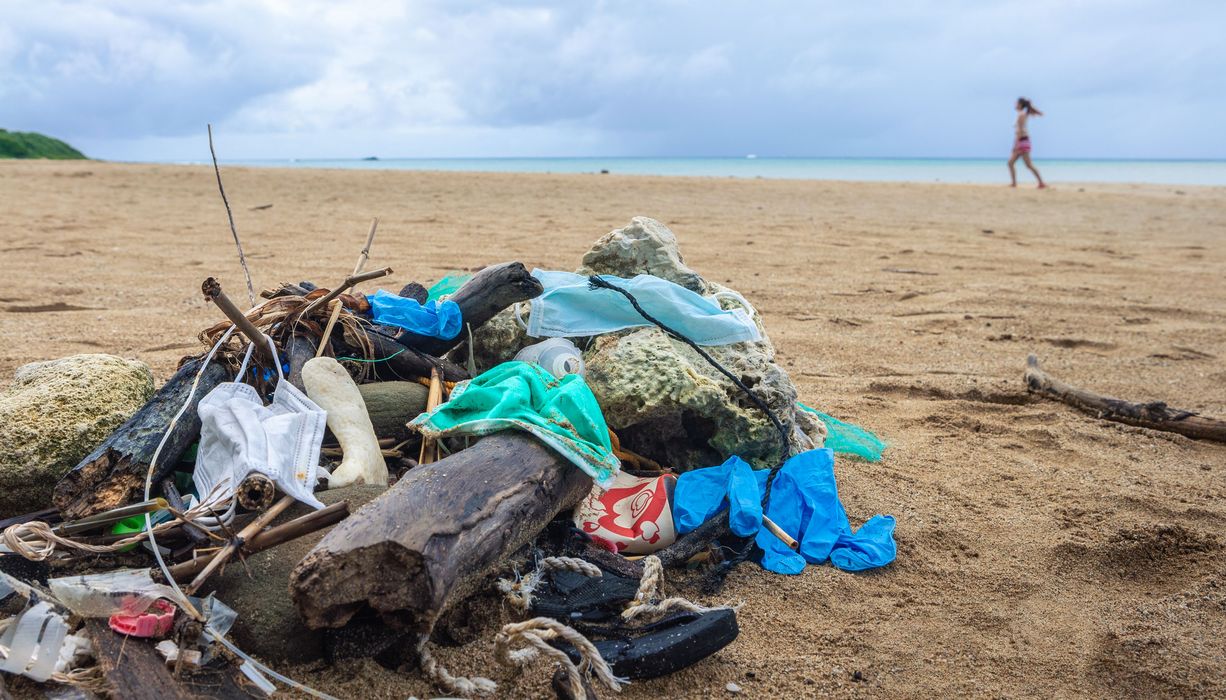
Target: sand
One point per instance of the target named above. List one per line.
(1042, 552)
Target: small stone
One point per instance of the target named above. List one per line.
(732, 687)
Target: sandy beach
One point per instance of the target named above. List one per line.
(1042, 552)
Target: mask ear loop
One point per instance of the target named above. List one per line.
(242, 370)
(518, 312)
(736, 296)
(276, 359)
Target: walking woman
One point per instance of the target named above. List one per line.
(1021, 141)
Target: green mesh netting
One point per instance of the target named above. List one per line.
(845, 438)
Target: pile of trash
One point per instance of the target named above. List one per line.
(547, 442)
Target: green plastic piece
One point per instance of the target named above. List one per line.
(848, 439)
(448, 285)
(135, 524)
(129, 526)
(562, 413)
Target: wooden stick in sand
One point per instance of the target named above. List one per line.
(1155, 415)
(234, 545)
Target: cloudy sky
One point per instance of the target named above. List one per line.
(319, 78)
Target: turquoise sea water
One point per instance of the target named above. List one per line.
(962, 170)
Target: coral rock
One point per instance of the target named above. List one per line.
(645, 247)
(55, 413)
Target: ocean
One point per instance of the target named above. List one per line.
(958, 170)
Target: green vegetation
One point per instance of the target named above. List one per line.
(27, 144)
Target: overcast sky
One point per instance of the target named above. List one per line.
(322, 78)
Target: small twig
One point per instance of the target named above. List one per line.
(273, 536)
(198, 535)
(336, 307)
(242, 259)
(365, 254)
(343, 287)
(235, 544)
(323, 339)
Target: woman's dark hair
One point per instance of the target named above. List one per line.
(1024, 103)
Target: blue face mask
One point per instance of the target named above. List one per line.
(569, 309)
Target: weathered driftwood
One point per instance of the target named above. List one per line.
(114, 473)
(430, 540)
(136, 671)
(488, 292)
(392, 404)
(1155, 415)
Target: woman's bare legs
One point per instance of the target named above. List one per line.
(1026, 160)
(1012, 170)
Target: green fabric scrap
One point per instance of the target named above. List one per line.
(562, 413)
(848, 439)
(447, 285)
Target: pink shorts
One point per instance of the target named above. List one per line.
(1021, 146)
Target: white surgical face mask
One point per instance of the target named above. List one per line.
(569, 309)
(239, 435)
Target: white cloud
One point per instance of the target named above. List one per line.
(283, 78)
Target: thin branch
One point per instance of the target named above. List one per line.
(343, 287)
(365, 254)
(242, 258)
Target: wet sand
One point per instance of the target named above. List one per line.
(1042, 552)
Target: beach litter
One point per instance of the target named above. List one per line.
(541, 446)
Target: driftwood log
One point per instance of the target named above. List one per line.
(114, 474)
(481, 298)
(431, 539)
(1155, 415)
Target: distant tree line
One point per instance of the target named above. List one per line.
(27, 144)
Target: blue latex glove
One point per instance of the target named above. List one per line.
(702, 493)
(804, 503)
(871, 546)
(433, 319)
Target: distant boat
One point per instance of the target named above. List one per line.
(370, 158)
(751, 156)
